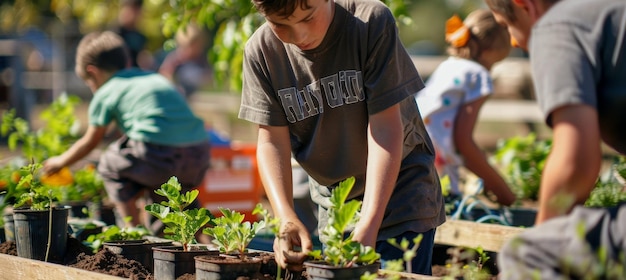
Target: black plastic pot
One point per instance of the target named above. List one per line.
(33, 230)
(9, 227)
(221, 267)
(139, 250)
(78, 209)
(522, 217)
(321, 270)
(171, 262)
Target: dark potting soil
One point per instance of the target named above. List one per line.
(80, 256)
(8, 248)
(110, 263)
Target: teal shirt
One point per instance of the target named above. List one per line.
(147, 108)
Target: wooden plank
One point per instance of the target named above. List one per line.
(490, 237)
(14, 267)
(511, 111)
(404, 275)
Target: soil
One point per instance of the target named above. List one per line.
(104, 261)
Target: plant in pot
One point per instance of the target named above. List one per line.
(342, 257)
(181, 225)
(40, 226)
(232, 235)
(115, 233)
(10, 175)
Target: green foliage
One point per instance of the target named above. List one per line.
(409, 253)
(88, 185)
(232, 22)
(181, 224)
(619, 166)
(271, 223)
(231, 233)
(56, 135)
(113, 233)
(342, 215)
(467, 263)
(521, 160)
(607, 193)
(10, 175)
(37, 196)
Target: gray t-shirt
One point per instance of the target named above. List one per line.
(578, 56)
(326, 95)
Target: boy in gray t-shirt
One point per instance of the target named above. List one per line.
(578, 57)
(330, 84)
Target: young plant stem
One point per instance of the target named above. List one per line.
(49, 232)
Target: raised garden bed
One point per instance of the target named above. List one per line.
(452, 233)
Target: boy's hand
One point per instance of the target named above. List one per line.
(292, 234)
(52, 165)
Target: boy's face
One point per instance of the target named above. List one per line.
(525, 17)
(304, 28)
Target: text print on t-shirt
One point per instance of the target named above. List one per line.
(345, 87)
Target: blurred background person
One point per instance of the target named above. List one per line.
(128, 19)
(454, 95)
(187, 65)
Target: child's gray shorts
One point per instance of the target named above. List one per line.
(129, 167)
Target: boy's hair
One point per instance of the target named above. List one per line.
(485, 33)
(105, 50)
(505, 7)
(282, 8)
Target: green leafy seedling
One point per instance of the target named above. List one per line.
(231, 233)
(339, 250)
(409, 253)
(181, 224)
(113, 233)
(272, 224)
(36, 195)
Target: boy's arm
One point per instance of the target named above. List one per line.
(574, 162)
(274, 163)
(385, 140)
(473, 156)
(77, 151)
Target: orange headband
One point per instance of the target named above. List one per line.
(457, 34)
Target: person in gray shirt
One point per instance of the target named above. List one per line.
(578, 57)
(330, 84)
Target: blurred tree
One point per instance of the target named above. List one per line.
(231, 22)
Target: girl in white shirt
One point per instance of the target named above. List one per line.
(454, 94)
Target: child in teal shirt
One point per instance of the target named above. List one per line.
(161, 135)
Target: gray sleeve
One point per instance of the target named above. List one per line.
(390, 74)
(562, 64)
(258, 104)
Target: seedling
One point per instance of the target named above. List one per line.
(231, 234)
(340, 251)
(409, 253)
(467, 263)
(37, 196)
(114, 233)
(273, 225)
(181, 224)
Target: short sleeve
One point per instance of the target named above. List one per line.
(562, 73)
(477, 84)
(390, 73)
(258, 105)
(99, 114)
